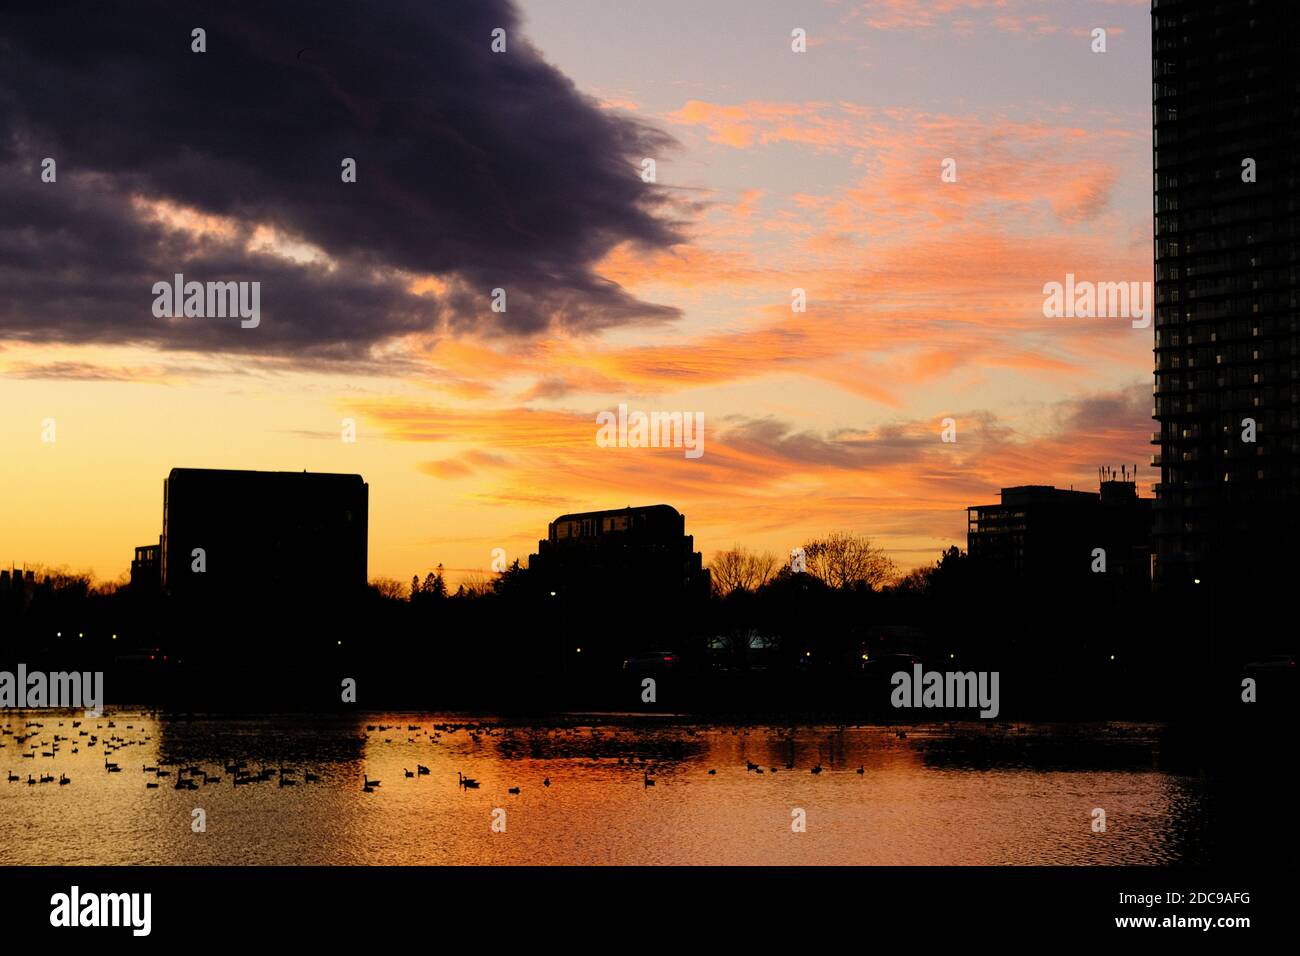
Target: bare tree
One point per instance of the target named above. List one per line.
(474, 585)
(109, 588)
(763, 567)
(843, 559)
(726, 571)
(390, 588)
(916, 581)
(742, 570)
(64, 580)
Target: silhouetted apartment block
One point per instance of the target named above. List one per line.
(1226, 113)
(1047, 536)
(17, 580)
(146, 566)
(292, 538)
(633, 548)
(17, 588)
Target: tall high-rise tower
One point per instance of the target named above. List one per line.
(1226, 112)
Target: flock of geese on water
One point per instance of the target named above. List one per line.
(32, 730)
(477, 731)
(188, 778)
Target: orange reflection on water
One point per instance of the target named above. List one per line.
(621, 792)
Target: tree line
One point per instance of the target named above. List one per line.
(838, 601)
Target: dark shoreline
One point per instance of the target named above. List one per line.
(736, 696)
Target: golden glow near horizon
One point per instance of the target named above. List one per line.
(924, 301)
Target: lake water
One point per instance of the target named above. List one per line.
(974, 793)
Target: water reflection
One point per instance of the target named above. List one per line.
(934, 794)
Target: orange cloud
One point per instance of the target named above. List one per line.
(961, 15)
(899, 482)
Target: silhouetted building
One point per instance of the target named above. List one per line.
(1046, 536)
(258, 552)
(280, 531)
(17, 588)
(648, 543)
(16, 580)
(1226, 86)
(621, 577)
(146, 567)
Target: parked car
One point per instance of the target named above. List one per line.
(142, 657)
(886, 665)
(651, 661)
(1272, 665)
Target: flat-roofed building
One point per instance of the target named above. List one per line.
(622, 579)
(277, 531)
(1043, 535)
(146, 566)
(650, 541)
(269, 562)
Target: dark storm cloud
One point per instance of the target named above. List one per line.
(894, 443)
(488, 170)
(1106, 412)
(767, 438)
(71, 371)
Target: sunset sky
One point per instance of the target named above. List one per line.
(522, 170)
